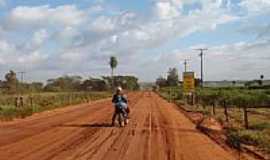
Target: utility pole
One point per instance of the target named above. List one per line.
(201, 55)
(20, 99)
(22, 75)
(185, 63)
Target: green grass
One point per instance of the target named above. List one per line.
(258, 133)
(42, 102)
(8, 112)
(249, 137)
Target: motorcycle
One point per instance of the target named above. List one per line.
(122, 116)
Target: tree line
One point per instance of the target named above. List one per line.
(67, 83)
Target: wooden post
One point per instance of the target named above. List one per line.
(192, 98)
(214, 108)
(170, 94)
(17, 102)
(245, 117)
(31, 101)
(21, 101)
(226, 111)
(195, 98)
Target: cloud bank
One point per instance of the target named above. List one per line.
(47, 40)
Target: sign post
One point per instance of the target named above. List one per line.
(189, 82)
(189, 85)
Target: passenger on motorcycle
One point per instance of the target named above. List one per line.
(121, 107)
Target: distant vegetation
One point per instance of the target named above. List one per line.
(11, 84)
(20, 99)
(171, 80)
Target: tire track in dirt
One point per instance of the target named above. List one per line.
(157, 131)
(28, 129)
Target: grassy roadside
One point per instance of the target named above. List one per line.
(257, 135)
(42, 102)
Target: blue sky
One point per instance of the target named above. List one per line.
(48, 38)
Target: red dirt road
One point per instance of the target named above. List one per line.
(157, 131)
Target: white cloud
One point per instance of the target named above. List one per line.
(256, 6)
(25, 16)
(112, 23)
(5, 47)
(13, 57)
(96, 9)
(103, 24)
(166, 10)
(33, 58)
(71, 56)
(39, 37)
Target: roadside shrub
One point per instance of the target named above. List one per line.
(233, 139)
(249, 137)
(8, 112)
(25, 112)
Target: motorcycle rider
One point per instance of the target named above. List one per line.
(121, 106)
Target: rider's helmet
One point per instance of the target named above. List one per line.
(119, 90)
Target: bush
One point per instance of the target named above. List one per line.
(249, 137)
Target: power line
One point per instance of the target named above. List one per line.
(201, 55)
(22, 76)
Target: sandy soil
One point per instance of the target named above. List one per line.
(157, 131)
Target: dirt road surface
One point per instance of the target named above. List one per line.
(157, 131)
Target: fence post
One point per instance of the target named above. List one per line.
(245, 117)
(214, 108)
(226, 111)
(170, 94)
(31, 101)
(21, 101)
(192, 99)
(17, 102)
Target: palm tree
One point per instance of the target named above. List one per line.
(113, 65)
(262, 77)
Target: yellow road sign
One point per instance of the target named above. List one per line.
(188, 82)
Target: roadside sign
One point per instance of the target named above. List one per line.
(188, 82)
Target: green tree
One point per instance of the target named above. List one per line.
(161, 81)
(94, 84)
(11, 82)
(65, 83)
(126, 82)
(172, 78)
(113, 65)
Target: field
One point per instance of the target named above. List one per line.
(12, 106)
(244, 113)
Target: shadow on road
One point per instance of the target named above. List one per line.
(94, 125)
